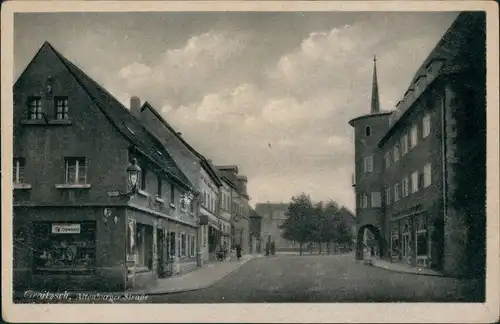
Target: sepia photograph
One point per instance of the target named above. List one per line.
(213, 154)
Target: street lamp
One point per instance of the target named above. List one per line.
(133, 172)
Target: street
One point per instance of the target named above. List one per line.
(313, 278)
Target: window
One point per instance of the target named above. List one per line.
(404, 144)
(414, 182)
(387, 158)
(368, 131)
(426, 125)
(413, 136)
(388, 196)
(427, 175)
(171, 244)
(421, 239)
(61, 108)
(183, 203)
(191, 206)
(35, 108)
(363, 201)
(405, 187)
(368, 164)
(376, 199)
(396, 192)
(396, 153)
(159, 193)
(18, 170)
(76, 170)
(67, 246)
(172, 193)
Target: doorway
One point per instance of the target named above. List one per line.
(406, 245)
(160, 239)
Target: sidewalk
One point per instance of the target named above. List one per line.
(195, 280)
(401, 267)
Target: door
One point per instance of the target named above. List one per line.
(160, 252)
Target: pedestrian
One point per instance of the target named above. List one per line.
(238, 251)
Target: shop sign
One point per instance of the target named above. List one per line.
(65, 228)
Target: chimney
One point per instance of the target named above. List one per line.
(135, 106)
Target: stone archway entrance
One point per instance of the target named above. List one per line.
(369, 236)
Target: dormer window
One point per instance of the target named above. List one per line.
(35, 108)
(61, 108)
(368, 131)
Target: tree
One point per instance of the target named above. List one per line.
(298, 224)
(343, 234)
(331, 219)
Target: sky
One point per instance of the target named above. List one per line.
(271, 92)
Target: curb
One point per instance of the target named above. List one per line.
(407, 272)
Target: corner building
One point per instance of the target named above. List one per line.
(420, 169)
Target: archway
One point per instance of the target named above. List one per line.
(369, 236)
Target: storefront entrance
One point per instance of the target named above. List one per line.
(160, 239)
(406, 248)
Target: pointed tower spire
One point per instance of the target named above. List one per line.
(375, 108)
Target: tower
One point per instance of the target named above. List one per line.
(368, 178)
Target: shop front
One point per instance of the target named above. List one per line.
(409, 240)
(69, 248)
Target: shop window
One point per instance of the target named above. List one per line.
(35, 108)
(64, 246)
(183, 245)
(422, 239)
(76, 170)
(395, 242)
(144, 245)
(61, 108)
(18, 170)
(171, 244)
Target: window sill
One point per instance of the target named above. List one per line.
(22, 186)
(142, 193)
(160, 200)
(60, 122)
(172, 206)
(73, 186)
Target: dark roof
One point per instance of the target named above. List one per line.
(377, 114)
(254, 214)
(126, 123)
(453, 45)
(204, 162)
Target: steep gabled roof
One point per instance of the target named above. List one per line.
(126, 123)
(204, 162)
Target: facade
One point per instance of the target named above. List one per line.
(273, 215)
(239, 206)
(225, 211)
(423, 195)
(197, 169)
(77, 224)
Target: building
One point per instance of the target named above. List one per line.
(225, 210)
(80, 220)
(197, 169)
(256, 233)
(420, 170)
(273, 215)
(239, 200)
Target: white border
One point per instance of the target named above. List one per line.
(217, 313)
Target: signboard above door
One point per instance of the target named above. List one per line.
(65, 228)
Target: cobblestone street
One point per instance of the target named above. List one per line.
(313, 278)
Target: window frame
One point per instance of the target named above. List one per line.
(373, 202)
(405, 190)
(397, 192)
(404, 144)
(427, 175)
(396, 153)
(77, 161)
(35, 112)
(426, 125)
(388, 196)
(387, 159)
(64, 114)
(18, 168)
(368, 164)
(414, 181)
(413, 136)
(368, 131)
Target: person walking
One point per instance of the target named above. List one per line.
(238, 252)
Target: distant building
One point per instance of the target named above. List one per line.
(420, 170)
(273, 215)
(256, 232)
